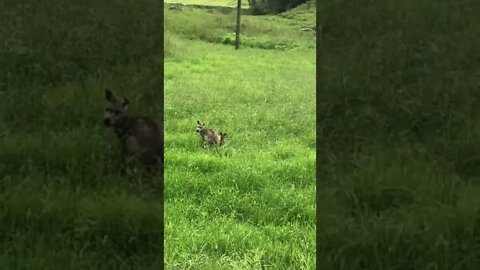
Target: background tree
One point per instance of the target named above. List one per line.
(261, 7)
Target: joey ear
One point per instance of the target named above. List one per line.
(125, 102)
(108, 94)
(198, 122)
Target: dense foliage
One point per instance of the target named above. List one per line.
(273, 6)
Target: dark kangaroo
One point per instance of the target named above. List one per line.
(140, 136)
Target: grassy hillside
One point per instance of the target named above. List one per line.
(218, 3)
(399, 135)
(283, 32)
(64, 203)
(249, 204)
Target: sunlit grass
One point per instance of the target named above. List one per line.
(251, 203)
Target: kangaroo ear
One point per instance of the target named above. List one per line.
(198, 122)
(125, 102)
(108, 94)
(203, 124)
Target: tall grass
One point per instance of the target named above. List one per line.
(398, 135)
(64, 201)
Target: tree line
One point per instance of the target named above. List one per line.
(262, 7)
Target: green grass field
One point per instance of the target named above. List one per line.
(398, 141)
(64, 202)
(399, 135)
(251, 203)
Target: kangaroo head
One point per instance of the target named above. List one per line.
(115, 109)
(200, 126)
(222, 137)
